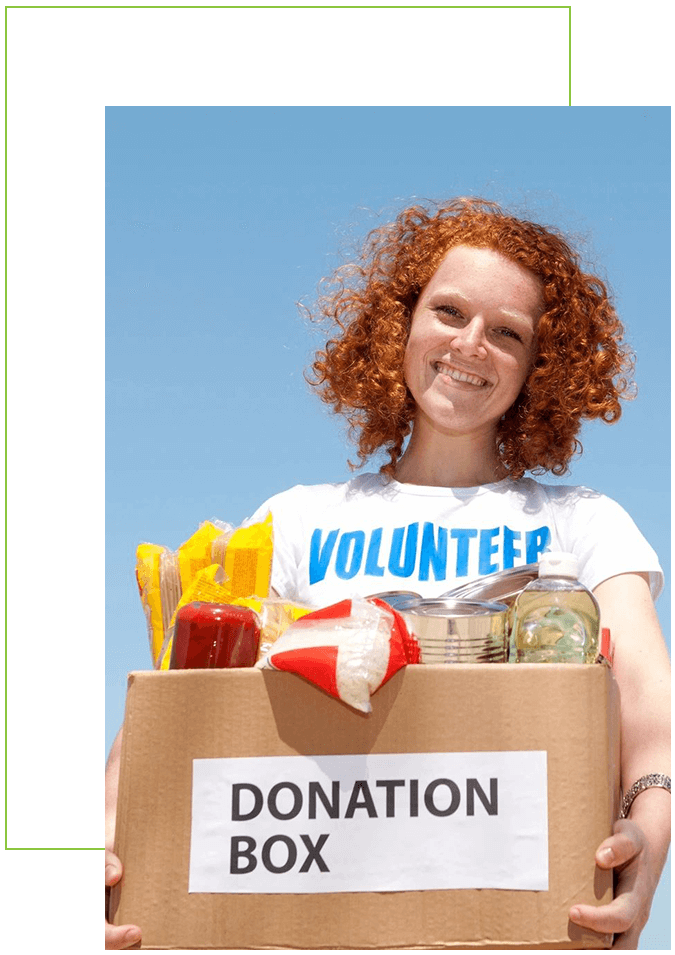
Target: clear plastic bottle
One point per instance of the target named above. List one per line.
(557, 620)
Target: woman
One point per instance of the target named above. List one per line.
(478, 336)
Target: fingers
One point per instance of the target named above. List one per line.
(616, 917)
(113, 868)
(121, 936)
(117, 936)
(621, 914)
(627, 842)
(625, 851)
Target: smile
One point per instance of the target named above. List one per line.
(442, 369)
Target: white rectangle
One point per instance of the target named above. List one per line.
(370, 823)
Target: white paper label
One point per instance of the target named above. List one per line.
(370, 823)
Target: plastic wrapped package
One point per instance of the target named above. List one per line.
(276, 616)
(348, 649)
(246, 557)
(196, 552)
(166, 579)
(148, 558)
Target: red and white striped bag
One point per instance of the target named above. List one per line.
(348, 649)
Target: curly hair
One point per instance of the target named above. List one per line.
(581, 369)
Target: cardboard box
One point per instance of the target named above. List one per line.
(561, 717)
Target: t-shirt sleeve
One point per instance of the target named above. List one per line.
(284, 559)
(607, 541)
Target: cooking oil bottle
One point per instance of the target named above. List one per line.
(557, 620)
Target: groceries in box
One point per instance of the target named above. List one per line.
(208, 606)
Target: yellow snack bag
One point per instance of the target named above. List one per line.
(217, 564)
(195, 554)
(148, 579)
(246, 555)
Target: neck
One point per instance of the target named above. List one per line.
(440, 459)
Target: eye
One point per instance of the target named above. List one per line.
(448, 311)
(509, 333)
(451, 315)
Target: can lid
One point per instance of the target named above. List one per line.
(454, 608)
(558, 564)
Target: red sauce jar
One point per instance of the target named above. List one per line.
(214, 636)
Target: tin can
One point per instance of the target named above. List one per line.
(396, 598)
(503, 586)
(458, 631)
(214, 636)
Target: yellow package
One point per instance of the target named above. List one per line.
(195, 554)
(210, 585)
(163, 575)
(166, 579)
(148, 578)
(275, 616)
(246, 556)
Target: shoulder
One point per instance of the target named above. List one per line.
(602, 534)
(570, 496)
(578, 504)
(307, 498)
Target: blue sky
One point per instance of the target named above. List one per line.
(220, 220)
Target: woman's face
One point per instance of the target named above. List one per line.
(472, 340)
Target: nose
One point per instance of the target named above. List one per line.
(470, 340)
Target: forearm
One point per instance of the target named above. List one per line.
(645, 720)
(645, 730)
(651, 811)
(112, 775)
(642, 671)
(645, 747)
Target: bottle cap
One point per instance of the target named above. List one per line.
(558, 564)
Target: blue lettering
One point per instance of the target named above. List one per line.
(535, 543)
(373, 569)
(510, 552)
(433, 553)
(463, 535)
(350, 554)
(406, 568)
(319, 556)
(486, 550)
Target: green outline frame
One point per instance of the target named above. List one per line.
(235, 7)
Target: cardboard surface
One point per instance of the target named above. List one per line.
(174, 717)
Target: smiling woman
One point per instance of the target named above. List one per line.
(478, 337)
(470, 349)
(581, 367)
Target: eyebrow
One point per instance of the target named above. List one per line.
(519, 317)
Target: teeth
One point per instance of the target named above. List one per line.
(459, 375)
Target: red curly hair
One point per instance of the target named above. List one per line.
(581, 369)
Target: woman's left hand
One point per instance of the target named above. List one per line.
(627, 852)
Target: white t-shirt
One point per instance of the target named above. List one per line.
(373, 534)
